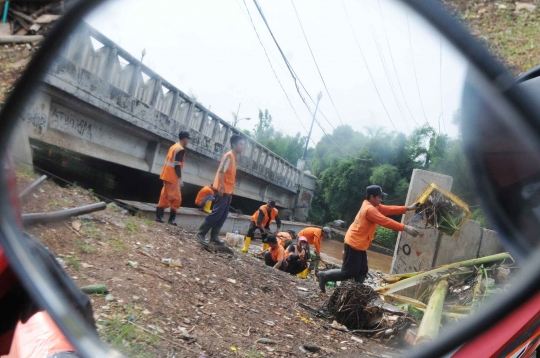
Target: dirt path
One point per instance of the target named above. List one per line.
(225, 303)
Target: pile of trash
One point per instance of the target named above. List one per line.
(360, 310)
(440, 209)
(426, 300)
(27, 18)
(448, 293)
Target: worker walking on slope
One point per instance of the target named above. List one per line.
(204, 199)
(224, 182)
(171, 174)
(361, 233)
(315, 236)
(261, 221)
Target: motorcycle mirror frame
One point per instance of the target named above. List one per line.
(42, 286)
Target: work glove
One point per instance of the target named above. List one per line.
(180, 182)
(411, 231)
(413, 206)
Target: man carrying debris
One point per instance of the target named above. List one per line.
(315, 236)
(361, 233)
(298, 256)
(204, 199)
(275, 257)
(171, 174)
(224, 182)
(261, 221)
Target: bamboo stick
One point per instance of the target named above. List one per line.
(478, 289)
(429, 327)
(458, 309)
(406, 299)
(409, 282)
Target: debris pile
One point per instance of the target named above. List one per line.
(30, 18)
(440, 209)
(448, 293)
(361, 310)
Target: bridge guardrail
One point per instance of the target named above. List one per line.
(164, 108)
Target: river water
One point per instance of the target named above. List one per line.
(376, 261)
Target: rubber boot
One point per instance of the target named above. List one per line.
(207, 206)
(159, 214)
(329, 276)
(247, 241)
(172, 218)
(360, 279)
(265, 246)
(214, 236)
(203, 230)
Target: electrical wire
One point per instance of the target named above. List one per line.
(440, 87)
(394, 65)
(314, 60)
(367, 66)
(414, 69)
(275, 74)
(297, 82)
(386, 72)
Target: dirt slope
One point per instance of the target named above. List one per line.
(226, 303)
(508, 28)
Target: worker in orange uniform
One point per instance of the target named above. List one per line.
(224, 183)
(286, 238)
(361, 233)
(315, 236)
(298, 256)
(275, 257)
(204, 199)
(261, 221)
(171, 174)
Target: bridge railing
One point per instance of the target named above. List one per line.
(172, 110)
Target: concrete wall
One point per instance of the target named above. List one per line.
(416, 253)
(432, 248)
(19, 147)
(94, 105)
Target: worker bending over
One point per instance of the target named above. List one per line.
(224, 183)
(171, 174)
(275, 257)
(315, 236)
(298, 256)
(361, 233)
(286, 238)
(261, 221)
(204, 199)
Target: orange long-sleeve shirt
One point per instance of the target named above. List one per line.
(362, 231)
(313, 236)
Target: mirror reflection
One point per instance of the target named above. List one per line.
(259, 178)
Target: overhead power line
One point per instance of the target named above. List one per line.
(440, 86)
(275, 74)
(367, 66)
(386, 72)
(394, 65)
(314, 60)
(414, 70)
(298, 82)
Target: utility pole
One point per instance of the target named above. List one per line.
(319, 96)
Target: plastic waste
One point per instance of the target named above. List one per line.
(171, 262)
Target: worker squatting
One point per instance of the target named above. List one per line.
(282, 250)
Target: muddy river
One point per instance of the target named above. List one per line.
(376, 261)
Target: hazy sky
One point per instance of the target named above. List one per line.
(209, 48)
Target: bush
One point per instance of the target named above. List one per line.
(385, 237)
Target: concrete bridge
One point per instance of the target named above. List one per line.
(106, 104)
